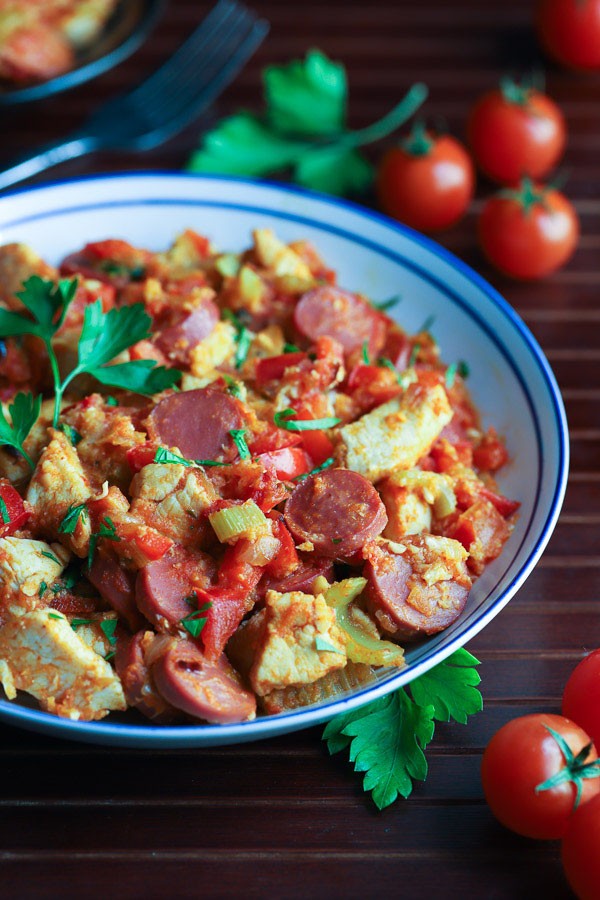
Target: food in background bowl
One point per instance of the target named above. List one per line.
(275, 489)
(39, 39)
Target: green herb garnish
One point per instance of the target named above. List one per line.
(303, 130)
(103, 337)
(70, 432)
(107, 530)
(384, 305)
(386, 738)
(365, 354)
(195, 622)
(72, 517)
(24, 412)
(42, 589)
(4, 513)
(240, 442)
(75, 623)
(109, 626)
(51, 556)
(282, 420)
(322, 644)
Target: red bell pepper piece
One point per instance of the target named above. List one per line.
(272, 368)
(289, 462)
(12, 508)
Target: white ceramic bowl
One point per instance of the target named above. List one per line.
(510, 379)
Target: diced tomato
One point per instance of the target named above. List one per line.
(316, 443)
(482, 531)
(504, 506)
(287, 560)
(490, 454)
(14, 514)
(147, 350)
(229, 599)
(201, 244)
(113, 249)
(272, 368)
(446, 454)
(266, 491)
(141, 455)
(397, 348)
(273, 438)
(150, 543)
(289, 462)
(370, 386)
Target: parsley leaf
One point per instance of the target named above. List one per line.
(24, 412)
(4, 512)
(334, 170)
(386, 738)
(303, 130)
(107, 530)
(282, 420)
(324, 465)
(451, 688)
(109, 626)
(71, 433)
(307, 96)
(195, 622)
(386, 742)
(238, 435)
(71, 518)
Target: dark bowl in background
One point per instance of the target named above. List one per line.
(127, 28)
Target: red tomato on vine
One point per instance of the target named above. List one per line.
(569, 31)
(529, 232)
(427, 181)
(515, 131)
(536, 771)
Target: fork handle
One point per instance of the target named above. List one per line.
(48, 156)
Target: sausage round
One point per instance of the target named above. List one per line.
(337, 510)
(301, 579)
(138, 686)
(205, 690)
(163, 585)
(116, 585)
(341, 315)
(177, 341)
(390, 582)
(198, 423)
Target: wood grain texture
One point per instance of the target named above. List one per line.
(281, 818)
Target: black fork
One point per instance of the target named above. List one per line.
(168, 100)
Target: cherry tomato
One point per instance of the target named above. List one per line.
(427, 181)
(516, 131)
(289, 462)
(522, 755)
(530, 232)
(581, 697)
(569, 30)
(580, 856)
(13, 513)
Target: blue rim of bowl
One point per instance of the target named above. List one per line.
(82, 73)
(268, 726)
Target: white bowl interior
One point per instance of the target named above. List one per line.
(509, 378)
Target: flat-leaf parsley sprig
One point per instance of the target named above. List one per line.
(303, 129)
(386, 739)
(103, 337)
(24, 412)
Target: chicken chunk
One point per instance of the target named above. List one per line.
(45, 657)
(396, 434)
(58, 484)
(301, 642)
(24, 566)
(18, 262)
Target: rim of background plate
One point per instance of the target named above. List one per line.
(271, 725)
(95, 67)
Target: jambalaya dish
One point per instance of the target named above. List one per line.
(228, 485)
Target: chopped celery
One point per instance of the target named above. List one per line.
(361, 647)
(233, 522)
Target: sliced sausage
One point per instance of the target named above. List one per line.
(301, 579)
(404, 604)
(198, 423)
(211, 691)
(337, 510)
(162, 586)
(352, 321)
(177, 341)
(138, 686)
(116, 585)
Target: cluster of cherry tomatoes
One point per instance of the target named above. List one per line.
(516, 135)
(541, 777)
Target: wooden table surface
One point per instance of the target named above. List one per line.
(281, 818)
